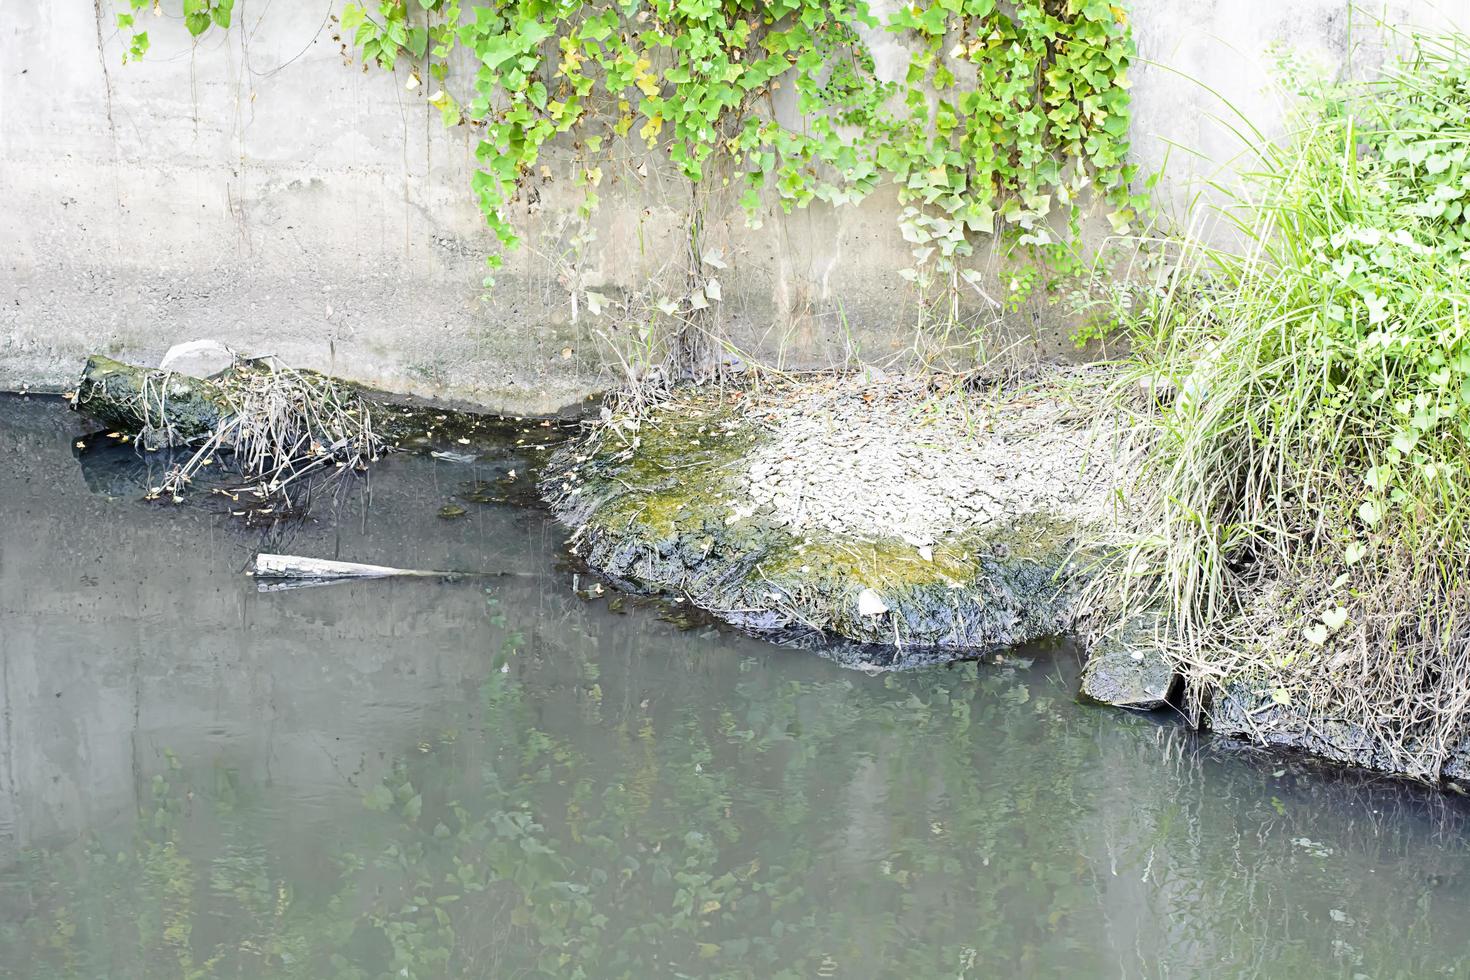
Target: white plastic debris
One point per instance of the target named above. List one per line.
(870, 603)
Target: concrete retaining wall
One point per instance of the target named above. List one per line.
(259, 189)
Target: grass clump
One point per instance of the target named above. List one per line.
(279, 424)
(1302, 403)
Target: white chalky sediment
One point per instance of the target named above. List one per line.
(894, 464)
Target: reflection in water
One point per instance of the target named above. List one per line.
(436, 779)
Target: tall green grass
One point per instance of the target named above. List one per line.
(1303, 406)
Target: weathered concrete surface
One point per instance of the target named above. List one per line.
(1206, 73)
(256, 190)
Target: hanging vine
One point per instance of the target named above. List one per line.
(1007, 114)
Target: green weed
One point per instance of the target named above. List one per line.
(1302, 405)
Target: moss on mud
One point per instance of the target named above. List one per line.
(115, 393)
(658, 504)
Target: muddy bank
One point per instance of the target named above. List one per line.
(1249, 711)
(921, 521)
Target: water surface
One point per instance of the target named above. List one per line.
(460, 779)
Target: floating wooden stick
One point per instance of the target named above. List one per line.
(296, 567)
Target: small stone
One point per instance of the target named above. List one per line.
(1128, 671)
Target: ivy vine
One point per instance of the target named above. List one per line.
(1008, 113)
(199, 16)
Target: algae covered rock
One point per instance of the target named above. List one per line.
(171, 408)
(1127, 669)
(730, 499)
(279, 432)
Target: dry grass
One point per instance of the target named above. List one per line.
(1302, 404)
(282, 425)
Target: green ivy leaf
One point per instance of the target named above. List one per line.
(352, 17)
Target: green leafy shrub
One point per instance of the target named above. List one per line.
(1306, 416)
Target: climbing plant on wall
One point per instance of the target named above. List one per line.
(199, 16)
(1006, 114)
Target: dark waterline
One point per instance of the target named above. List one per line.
(436, 779)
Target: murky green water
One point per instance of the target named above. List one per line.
(429, 779)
